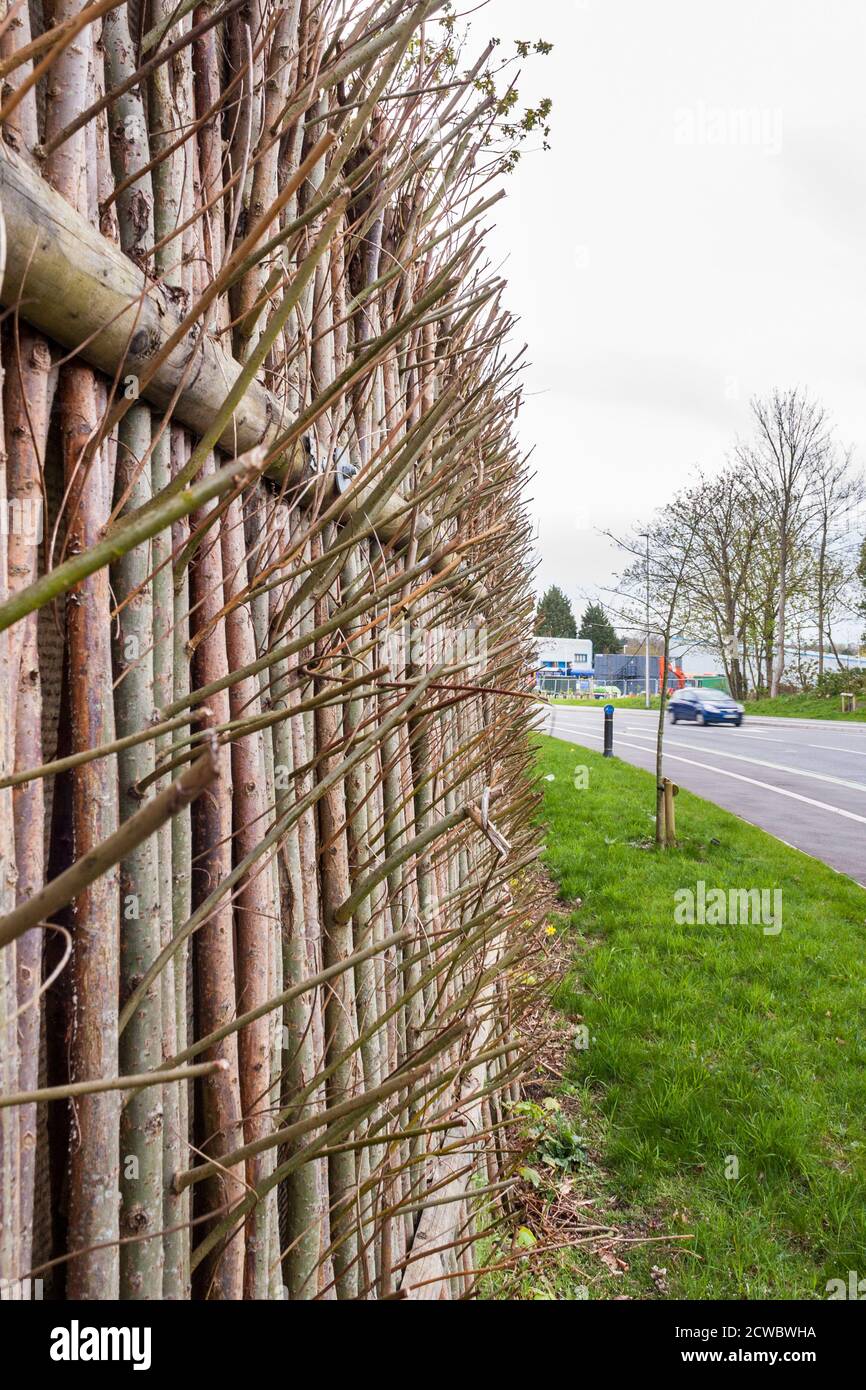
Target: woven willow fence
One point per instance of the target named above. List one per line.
(265, 812)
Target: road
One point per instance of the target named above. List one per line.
(802, 780)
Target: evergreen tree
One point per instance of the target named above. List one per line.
(555, 616)
(596, 627)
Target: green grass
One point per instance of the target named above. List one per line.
(807, 706)
(711, 1042)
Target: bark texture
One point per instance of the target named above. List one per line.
(257, 397)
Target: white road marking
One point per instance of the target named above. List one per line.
(838, 726)
(792, 743)
(789, 743)
(752, 733)
(742, 733)
(765, 738)
(837, 748)
(753, 781)
(776, 767)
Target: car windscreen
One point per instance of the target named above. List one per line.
(717, 697)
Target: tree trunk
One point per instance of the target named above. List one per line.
(216, 1001)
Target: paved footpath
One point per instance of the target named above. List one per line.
(804, 780)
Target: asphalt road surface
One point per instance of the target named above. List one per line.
(803, 780)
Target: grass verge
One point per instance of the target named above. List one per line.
(722, 1095)
(806, 706)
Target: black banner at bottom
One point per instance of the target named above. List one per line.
(59, 1340)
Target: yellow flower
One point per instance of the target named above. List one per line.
(551, 931)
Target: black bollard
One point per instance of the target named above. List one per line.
(608, 731)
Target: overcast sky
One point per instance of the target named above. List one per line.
(694, 236)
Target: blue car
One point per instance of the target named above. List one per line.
(705, 707)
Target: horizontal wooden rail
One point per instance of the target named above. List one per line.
(81, 290)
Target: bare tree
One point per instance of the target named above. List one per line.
(837, 492)
(720, 513)
(653, 595)
(792, 440)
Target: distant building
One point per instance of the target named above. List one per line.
(563, 656)
(686, 665)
